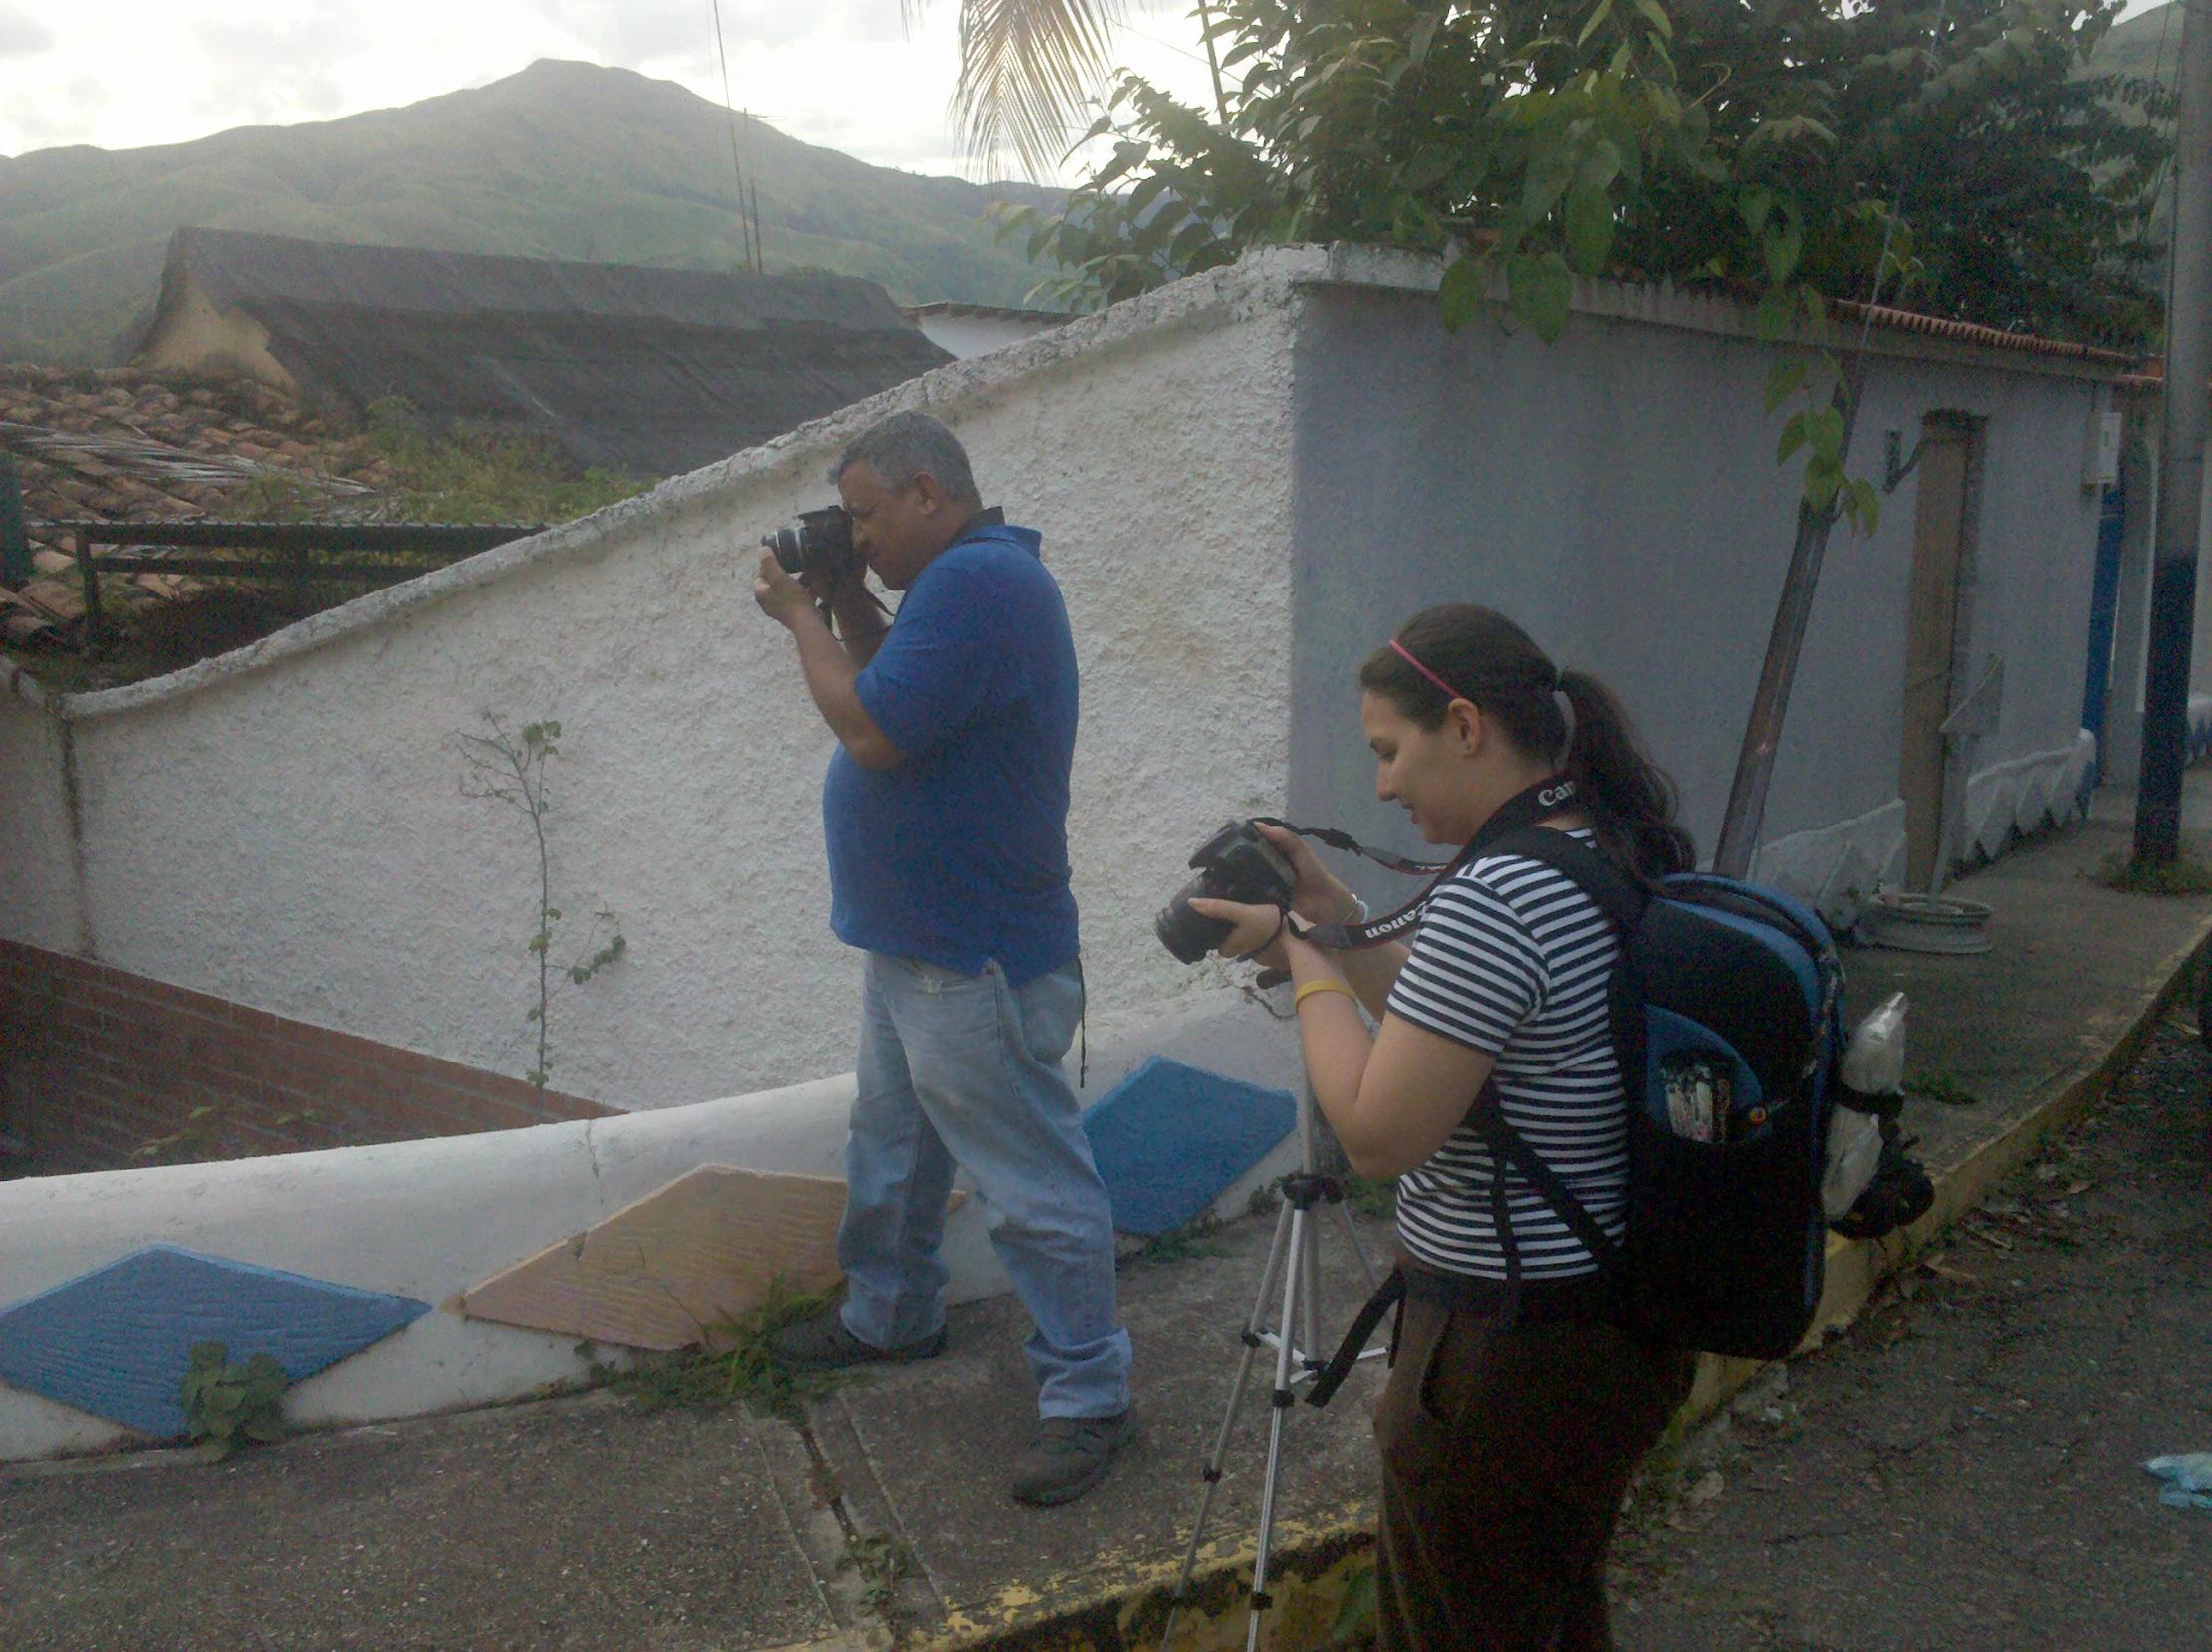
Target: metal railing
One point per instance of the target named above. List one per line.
(293, 544)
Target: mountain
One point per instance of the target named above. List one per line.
(561, 160)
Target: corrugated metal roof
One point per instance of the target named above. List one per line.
(646, 370)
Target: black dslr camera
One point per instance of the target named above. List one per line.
(1235, 863)
(822, 544)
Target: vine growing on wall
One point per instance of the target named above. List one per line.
(511, 768)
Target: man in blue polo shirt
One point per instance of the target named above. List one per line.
(945, 810)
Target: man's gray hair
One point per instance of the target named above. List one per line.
(904, 446)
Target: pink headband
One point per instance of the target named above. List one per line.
(1399, 648)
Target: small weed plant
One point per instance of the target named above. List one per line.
(226, 1403)
(1937, 1085)
(881, 1563)
(202, 1137)
(735, 1365)
(1358, 1616)
(1370, 1197)
(2185, 874)
(1180, 1244)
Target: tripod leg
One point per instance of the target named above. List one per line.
(1351, 1237)
(1277, 1248)
(1309, 1297)
(1282, 1399)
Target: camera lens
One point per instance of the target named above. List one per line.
(789, 550)
(1186, 934)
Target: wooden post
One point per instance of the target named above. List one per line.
(81, 546)
(15, 544)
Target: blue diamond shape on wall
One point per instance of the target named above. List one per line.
(116, 1341)
(1169, 1139)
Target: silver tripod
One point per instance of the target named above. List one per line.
(1294, 1257)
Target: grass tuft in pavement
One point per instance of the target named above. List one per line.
(2185, 874)
(881, 1562)
(736, 1366)
(1193, 1239)
(1937, 1085)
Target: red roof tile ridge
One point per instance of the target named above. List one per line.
(1978, 333)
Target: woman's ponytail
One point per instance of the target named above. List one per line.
(1630, 798)
(1489, 660)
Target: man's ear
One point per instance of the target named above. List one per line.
(931, 492)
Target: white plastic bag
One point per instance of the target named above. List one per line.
(1873, 1064)
(1874, 1060)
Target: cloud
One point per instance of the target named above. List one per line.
(268, 71)
(627, 33)
(56, 114)
(839, 73)
(635, 33)
(22, 35)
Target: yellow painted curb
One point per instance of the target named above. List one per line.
(1856, 1267)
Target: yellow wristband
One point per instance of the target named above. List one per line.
(1321, 986)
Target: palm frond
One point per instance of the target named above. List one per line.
(1027, 68)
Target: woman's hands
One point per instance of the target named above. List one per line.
(1257, 932)
(1254, 932)
(1317, 896)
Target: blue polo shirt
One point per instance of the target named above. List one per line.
(959, 855)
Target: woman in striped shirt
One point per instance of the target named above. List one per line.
(1517, 1406)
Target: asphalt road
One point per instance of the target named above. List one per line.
(1961, 1472)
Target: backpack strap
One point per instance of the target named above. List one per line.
(1623, 901)
(1510, 1149)
(1331, 1377)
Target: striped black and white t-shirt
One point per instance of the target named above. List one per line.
(1513, 960)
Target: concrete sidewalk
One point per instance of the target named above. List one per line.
(1964, 1471)
(582, 1524)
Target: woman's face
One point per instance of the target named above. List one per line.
(1429, 772)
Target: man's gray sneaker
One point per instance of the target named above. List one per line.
(1067, 1456)
(824, 1344)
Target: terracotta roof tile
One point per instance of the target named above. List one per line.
(129, 445)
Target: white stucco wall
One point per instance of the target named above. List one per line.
(286, 827)
(1244, 481)
(1616, 490)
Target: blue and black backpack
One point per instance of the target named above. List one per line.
(1727, 1015)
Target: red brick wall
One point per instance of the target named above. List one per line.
(96, 1065)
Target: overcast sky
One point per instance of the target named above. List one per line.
(840, 72)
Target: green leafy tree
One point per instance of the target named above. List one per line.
(1755, 148)
(1796, 150)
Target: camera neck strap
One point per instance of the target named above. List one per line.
(1523, 809)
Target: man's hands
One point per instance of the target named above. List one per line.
(829, 665)
(782, 598)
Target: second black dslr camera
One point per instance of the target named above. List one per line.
(1235, 863)
(821, 545)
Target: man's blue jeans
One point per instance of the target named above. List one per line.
(964, 1070)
